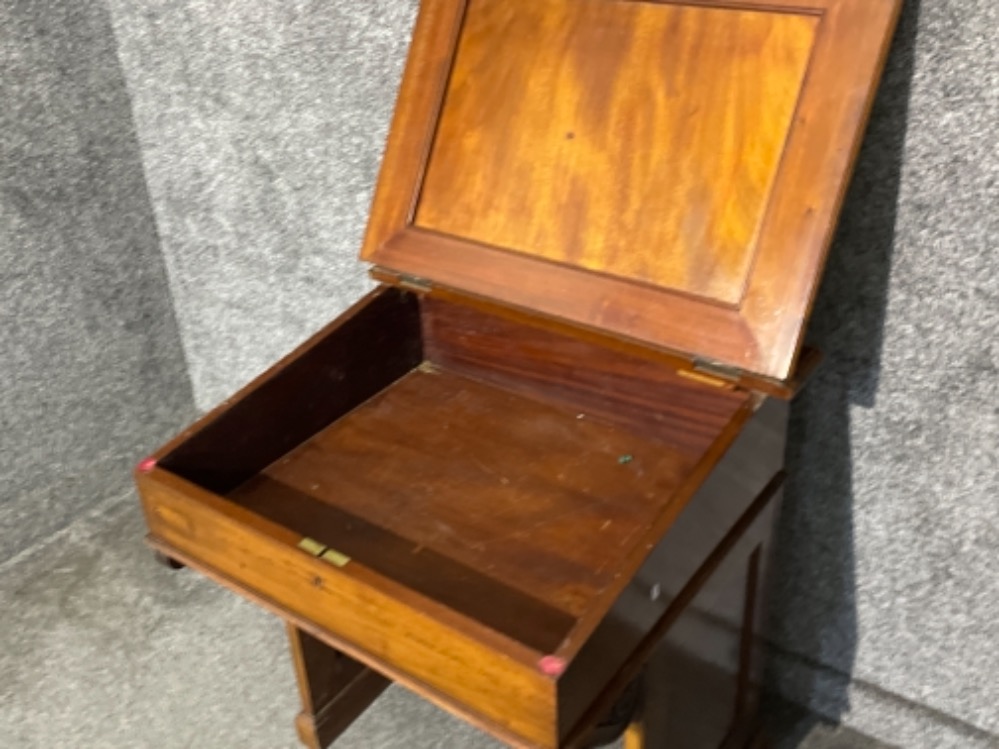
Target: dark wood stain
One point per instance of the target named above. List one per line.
(522, 490)
(626, 390)
(737, 481)
(335, 689)
(650, 639)
(428, 572)
(503, 452)
(354, 360)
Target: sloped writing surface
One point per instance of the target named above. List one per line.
(686, 203)
(638, 139)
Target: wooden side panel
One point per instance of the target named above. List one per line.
(635, 392)
(701, 691)
(484, 678)
(335, 689)
(664, 579)
(363, 351)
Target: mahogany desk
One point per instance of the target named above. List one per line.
(552, 438)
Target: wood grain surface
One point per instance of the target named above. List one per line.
(639, 393)
(488, 506)
(334, 688)
(633, 184)
(462, 587)
(475, 672)
(527, 157)
(637, 139)
(735, 482)
(525, 493)
(370, 345)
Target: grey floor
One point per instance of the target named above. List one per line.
(102, 647)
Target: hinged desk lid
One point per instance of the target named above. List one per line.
(668, 172)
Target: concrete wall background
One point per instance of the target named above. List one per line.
(888, 608)
(91, 366)
(260, 127)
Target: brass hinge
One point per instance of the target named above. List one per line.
(713, 373)
(717, 369)
(324, 552)
(412, 283)
(311, 546)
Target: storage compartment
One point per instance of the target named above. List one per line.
(419, 458)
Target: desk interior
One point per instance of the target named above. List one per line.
(510, 494)
(516, 512)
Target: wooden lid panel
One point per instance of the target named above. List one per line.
(643, 139)
(667, 172)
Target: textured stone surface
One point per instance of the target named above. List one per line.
(891, 534)
(262, 126)
(873, 712)
(91, 369)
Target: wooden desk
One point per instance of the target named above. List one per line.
(552, 440)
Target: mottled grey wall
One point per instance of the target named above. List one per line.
(91, 368)
(890, 540)
(261, 125)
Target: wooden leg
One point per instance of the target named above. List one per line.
(634, 736)
(335, 689)
(747, 697)
(624, 716)
(168, 562)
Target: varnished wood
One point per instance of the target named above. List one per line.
(783, 389)
(423, 568)
(334, 688)
(605, 220)
(532, 496)
(469, 669)
(367, 348)
(744, 698)
(634, 737)
(695, 536)
(736, 291)
(629, 390)
(643, 139)
(655, 634)
(409, 484)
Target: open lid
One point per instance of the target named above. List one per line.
(667, 172)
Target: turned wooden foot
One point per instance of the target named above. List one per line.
(634, 735)
(168, 562)
(622, 718)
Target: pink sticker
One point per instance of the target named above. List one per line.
(552, 665)
(146, 465)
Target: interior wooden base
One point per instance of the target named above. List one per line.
(506, 518)
(515, 512)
